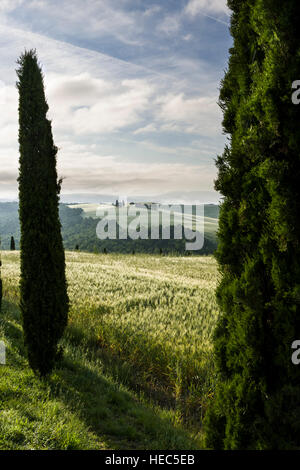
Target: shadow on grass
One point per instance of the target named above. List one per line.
(111, 412)
(125, 372)
(108, 410)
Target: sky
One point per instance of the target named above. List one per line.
(132, 88)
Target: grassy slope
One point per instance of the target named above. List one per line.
(135, 340)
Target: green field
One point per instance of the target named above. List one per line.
(137, 371)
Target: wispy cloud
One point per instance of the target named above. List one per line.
(112, 175)
(85, 105)
(198, 115)
(194, 7)
(133, 111)
(153, 10)
(9, 5)
(169, 25)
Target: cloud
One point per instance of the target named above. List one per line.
(94, 19)
(112, 119)
(37, 4)
(8, 118)
(194, 7)
(153, 10)
(7, 177)
(86, 105)
(116, 111)
(100, 95)
(199, 114)
(81, 89)
(146, 129)
(111, 175)
(169, 25)
(9, 5)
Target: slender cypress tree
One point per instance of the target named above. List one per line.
(12, 243)
(257, 400)
(44, 299)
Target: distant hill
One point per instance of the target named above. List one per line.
(79, 223)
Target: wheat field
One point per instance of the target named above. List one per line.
(157, 313)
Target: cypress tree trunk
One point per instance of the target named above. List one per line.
(44, 299)
(257, 399)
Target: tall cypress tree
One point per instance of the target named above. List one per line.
(12, 244)
(257, 400)
(44, 299)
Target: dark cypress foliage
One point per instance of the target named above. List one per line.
(257, 400)
(44, 299)
(12, 244)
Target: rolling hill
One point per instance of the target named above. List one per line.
(79, 222)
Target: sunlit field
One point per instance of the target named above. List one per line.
(147, 319)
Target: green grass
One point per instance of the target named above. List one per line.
(137, 370)
(77, 407)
